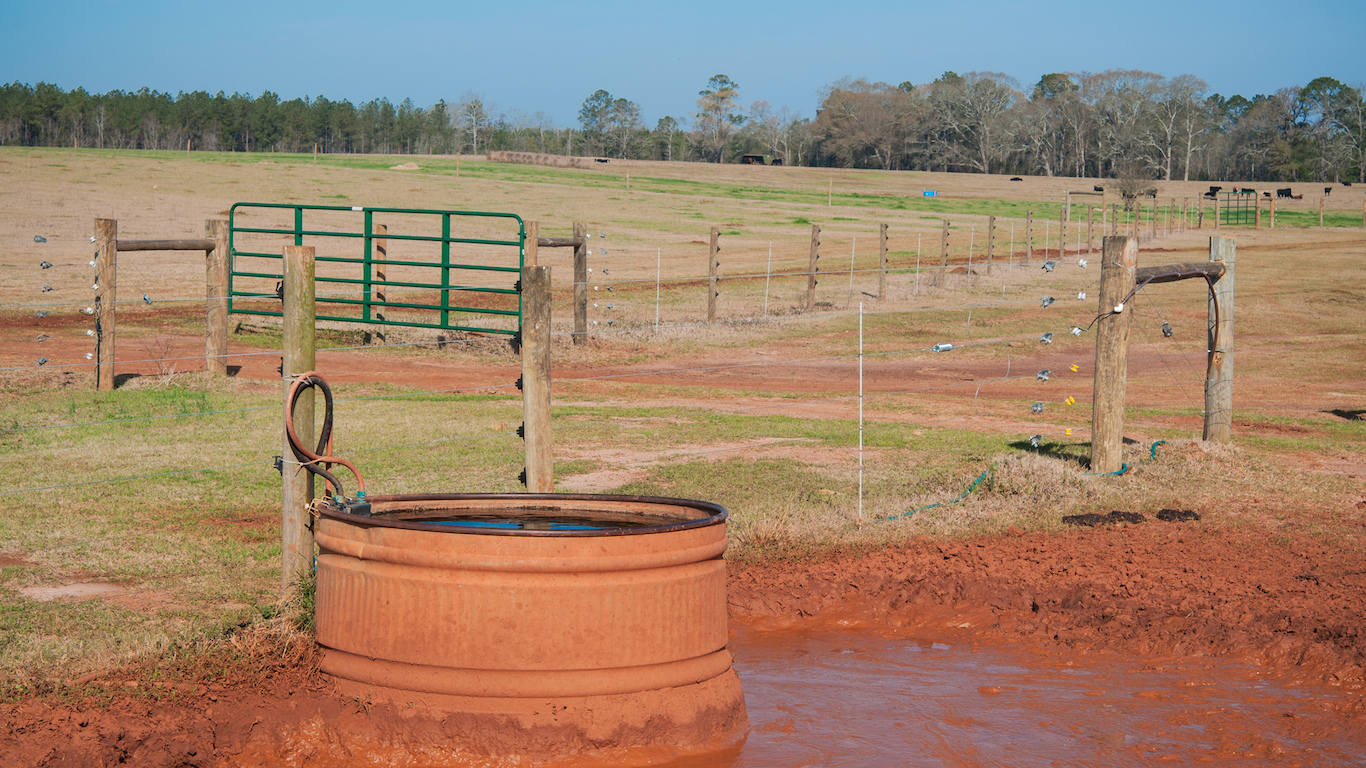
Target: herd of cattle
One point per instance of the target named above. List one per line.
(1286, 193)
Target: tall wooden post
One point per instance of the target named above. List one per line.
(991, 240)
(216, 298)
(1219, 379)
(1273, 213)
(581, 284)
(540, 468)
(1119, 259)
(882, 261)
(944, 252)
(1114, 219)
(296, 529)
(1257, 220)
(533, 237)
(812, 268)
(1320, 211)
(712, 264)
(1029, 236)
(1216, 213)
(106, 277)
(1200, 221)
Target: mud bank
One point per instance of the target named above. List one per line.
(1291, 607)
(1286, 602)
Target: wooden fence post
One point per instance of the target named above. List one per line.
(812, 268)
(1257, 220)
(540, 468)
(379, 288)
(882, 261)
(1200, 222)
(216, 298)
(296, 529)
(581, 284)
(1090, 222)
(944, 253)
(991, 240)
(1219, 380)
(1029, 236)
(106, 277)
(1320, 211)
(1273, 213)
(1114, 218)
(1216, 212)
(1119, 259)
(712, 264)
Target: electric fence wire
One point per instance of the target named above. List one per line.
(1163, 358)
(563, 380)
(272, 353)
(265, 463)
(740, 321)
(248, 409)
(504, 385)
(428, 443)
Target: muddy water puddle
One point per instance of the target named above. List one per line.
(861, 697)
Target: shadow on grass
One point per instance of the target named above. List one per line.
(1078, 454)
(1348, 415)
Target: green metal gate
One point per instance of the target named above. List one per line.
(1238, 208)
(348, 265)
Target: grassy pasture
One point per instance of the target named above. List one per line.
(190, 545)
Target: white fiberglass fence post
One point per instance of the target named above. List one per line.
(768, 277)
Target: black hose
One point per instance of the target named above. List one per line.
(324, 435)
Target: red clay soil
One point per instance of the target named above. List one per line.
(1297, 607)
(1155, 589)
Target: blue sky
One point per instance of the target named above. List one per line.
(549, 56)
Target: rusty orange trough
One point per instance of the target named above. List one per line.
(551, 620)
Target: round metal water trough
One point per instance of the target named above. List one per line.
(534, 620)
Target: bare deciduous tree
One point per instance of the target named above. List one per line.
(718, 115)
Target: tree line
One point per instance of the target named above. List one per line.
(1118, 123)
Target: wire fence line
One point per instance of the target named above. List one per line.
(946, 346)
(813, 316)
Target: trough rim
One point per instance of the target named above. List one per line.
(715, 514)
